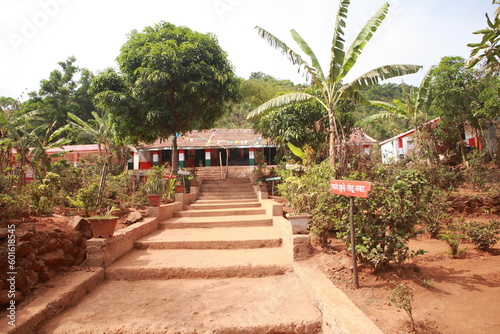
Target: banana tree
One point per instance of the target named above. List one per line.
(103, 131)
(413, 110)
(332, 87)
(45, 142)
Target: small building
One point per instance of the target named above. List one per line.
(400, 146)
(205, 150)
(359, 142)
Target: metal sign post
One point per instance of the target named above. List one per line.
(352, 189)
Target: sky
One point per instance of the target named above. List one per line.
(37, 34)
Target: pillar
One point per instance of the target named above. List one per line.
(136, 160)
(156, 158)
(182, 155)
(251, 156)
(208, 156)
(130, 162)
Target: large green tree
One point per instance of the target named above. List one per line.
(172, 80)
(66, 90)
(331, 86)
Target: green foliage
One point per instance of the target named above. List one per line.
(453, 235)
(386, 221)
(330, 86)
(172, 80)
(43, 194)
(62, 93)
(487, 49)
(86, 198)
(484, 235)
(302, 124)
(476, 173)
(402, 297)
(155, 184)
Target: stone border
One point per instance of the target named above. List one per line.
(102, 252)
(71, 289)
(340, 314)
(297, 245)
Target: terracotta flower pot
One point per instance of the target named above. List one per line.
(180, 188)
(103, 227)
(154, 200)
(299, 222)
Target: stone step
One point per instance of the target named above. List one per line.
(220, 212)
(196, 263)
(215, 186)
(227, 201)
(231, 192)
(227, 196)
(215, 206)
(271, 304)
(209, 222)
(211, 238)
(226, 181)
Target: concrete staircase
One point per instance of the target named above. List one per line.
(215, 267)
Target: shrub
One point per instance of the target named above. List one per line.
(387, 220)
(453, 235)
(476, 172)
(402, 297)
(484, 235)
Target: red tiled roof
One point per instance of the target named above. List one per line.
(358, 137)
(214, 138)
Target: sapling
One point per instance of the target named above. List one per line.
(402, 297)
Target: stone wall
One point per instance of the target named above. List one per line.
(40, 255)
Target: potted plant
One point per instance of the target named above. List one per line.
(103, 225)
(295, 192)
(180, 186)
(155, 186)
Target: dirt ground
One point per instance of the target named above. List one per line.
(452, 296)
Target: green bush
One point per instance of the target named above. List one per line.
(483, 235)
(476, 173)
(387, 220)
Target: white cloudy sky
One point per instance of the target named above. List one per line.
(36, 34)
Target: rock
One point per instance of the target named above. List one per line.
(133, 217)
(53, 244)
(78, 223)
(23, 248)
(4, 297)
(54, 259)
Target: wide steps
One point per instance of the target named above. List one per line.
(249, 196)
(272, 304)
(220, 212)
(227, 181)
(213, 238)
(225, 201)
(218, 205)
(194, 263)
(210, 222)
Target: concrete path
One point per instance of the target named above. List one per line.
(216, 267)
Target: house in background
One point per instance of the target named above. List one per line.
(359, 142)
(400, 146)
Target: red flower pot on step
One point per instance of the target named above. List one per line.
(103, 227)
(154, 200)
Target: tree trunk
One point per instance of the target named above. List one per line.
(175, 155)
(333, 137)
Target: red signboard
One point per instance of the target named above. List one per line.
(169, 176)
(350, 188)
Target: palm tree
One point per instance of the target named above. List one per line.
(331, 87)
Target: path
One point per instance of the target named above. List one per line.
(216, 267)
